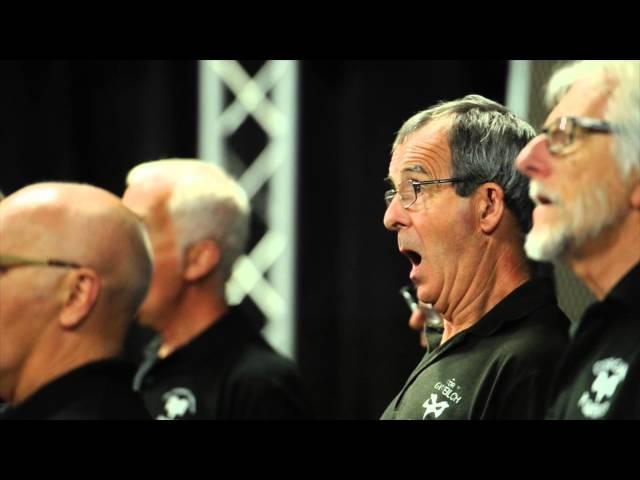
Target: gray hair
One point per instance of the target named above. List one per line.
(205, 204)
(623, 108)
(485, 139)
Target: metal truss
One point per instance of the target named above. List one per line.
(266, 274)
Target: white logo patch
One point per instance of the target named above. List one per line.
(449, 390)
(609, 373)
(431, 405)
(177, 402)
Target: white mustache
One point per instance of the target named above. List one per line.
(536, 190)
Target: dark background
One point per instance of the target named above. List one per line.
(91, 121)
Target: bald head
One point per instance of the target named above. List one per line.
(85, 225)
(77, 266)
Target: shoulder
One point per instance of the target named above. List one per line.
(263, 384)
(544, 329)
(262, 365)
(534, 343)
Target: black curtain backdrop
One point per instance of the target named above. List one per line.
(91, 121)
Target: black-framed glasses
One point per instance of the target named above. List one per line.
(8, 262)
(562, 132)
(408, 190)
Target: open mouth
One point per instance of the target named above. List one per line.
(542, 200)
(413, 257)
(541, 196)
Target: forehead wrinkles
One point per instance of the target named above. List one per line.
(430, 151)
(429, 142)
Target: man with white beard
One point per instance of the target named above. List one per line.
(585, 180)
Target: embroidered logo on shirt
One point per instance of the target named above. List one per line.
(449, 390)
(609, 373)
(431, 405)
(177, 402)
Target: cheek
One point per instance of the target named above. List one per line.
(447, 228)
(571, 183)
(578, 174)
(166, 275)
(21, 318)
(8, 300)
(27, 294)
(5, 295)
(12, 327)
(446, 222)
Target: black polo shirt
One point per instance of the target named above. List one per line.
(95, 391)
(227, 372)
(499, 368)
(599, 377)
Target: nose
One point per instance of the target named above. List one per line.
(395, 217)
(535, 160)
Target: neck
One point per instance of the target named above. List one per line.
(50, 359)
(495, 276)
(600, 264)
(197, 310)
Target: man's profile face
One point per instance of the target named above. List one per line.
(149, 200)
(28, 294)
(577, 191)
(435, 231)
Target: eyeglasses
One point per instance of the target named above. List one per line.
(8, 262)
(562, 132)
(409, 189)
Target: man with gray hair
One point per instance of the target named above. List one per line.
(74, 268)
(585, 181)
(460, 211)
(209, 361)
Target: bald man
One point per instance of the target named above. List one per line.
(74, 267)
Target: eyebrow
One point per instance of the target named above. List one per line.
(411, 169)
(415, 169)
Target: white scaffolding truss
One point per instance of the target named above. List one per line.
(267, 273)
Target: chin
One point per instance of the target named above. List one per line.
(547, 243)
(423, 295)
(145, 319)
(591, 214)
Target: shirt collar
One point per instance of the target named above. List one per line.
(521, 302)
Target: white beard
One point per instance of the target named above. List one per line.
(591, 212)
(546, 244)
